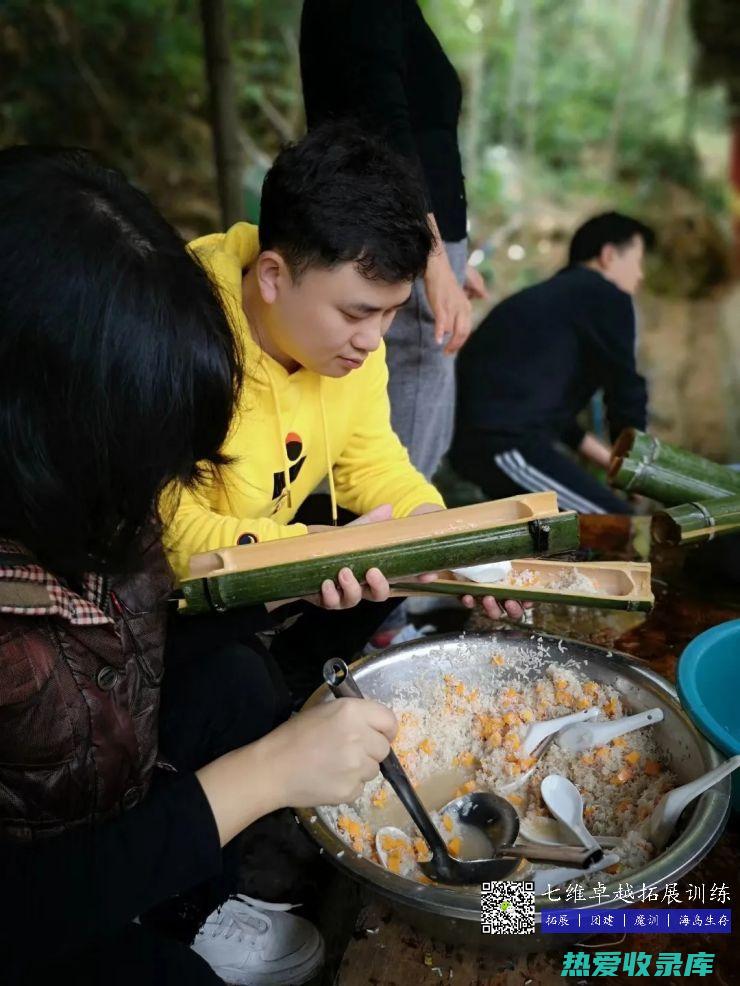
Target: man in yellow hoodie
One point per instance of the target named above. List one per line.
(310, 294)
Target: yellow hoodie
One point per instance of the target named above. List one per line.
(291, 431)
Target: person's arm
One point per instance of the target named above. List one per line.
(612, 338)
(95, 879)
(592, 448)
(375, 49)
(374, 468)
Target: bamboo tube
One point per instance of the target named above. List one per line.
(691, 523)
(512, 528)
(617, 585)
(643, 464)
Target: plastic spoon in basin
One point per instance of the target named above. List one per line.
(494, 816)
(566, 804)
(549, 832)
(537, 740)
(537, 731)
(576, 739)
(659, 827)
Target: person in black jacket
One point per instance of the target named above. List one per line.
(536, 361)
(379, 64)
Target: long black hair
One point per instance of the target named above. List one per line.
(118, 369)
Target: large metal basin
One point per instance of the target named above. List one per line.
(453, 914)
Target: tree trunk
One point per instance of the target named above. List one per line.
(223, 110)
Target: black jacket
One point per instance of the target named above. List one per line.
(537, 359)
(379, 62)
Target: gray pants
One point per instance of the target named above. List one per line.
(421, 384)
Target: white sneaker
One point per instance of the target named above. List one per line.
(252, 943)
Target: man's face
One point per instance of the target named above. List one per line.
(329, 321)
(623, 265)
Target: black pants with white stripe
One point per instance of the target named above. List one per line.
(539, 465)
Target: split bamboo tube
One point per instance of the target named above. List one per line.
(502, 529)
(617, 585)
(643, 464)
(691, 523)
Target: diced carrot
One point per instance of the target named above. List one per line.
(465, 759)
(495, 740)
(526, 715)
(515, 799)
(633, 757)
(394, 862)
(652, 768)
(588, 759)
(614, 868)
(602, 753)
(623, 775)
(583, 703)
(590, 687)
(380, 797)
(473, 695)
(459, 688)
(423, 879)
(454, 845)
(619, 741)
(352, 828)
(447, 822)
(511, 719)
(498, 659)
(624, 806)
(426, 746)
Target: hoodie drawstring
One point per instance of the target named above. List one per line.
(327, 453)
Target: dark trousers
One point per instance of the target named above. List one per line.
(221, 690)
(527, 467)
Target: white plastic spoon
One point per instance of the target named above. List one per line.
(408, 856)
(537, 731)
(659, 827)
(555, 877)
(494, 572)
(576, 739)
(566, 804)
(549, 832)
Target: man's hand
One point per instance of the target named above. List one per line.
(595, 450)
(448, 301)
(474, 286)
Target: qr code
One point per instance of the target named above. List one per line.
(507, 908)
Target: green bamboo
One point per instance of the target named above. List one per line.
(286, 581)
(691, 523)
(643, 464)
(525, 595)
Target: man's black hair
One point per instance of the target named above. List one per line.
(337, 196)
(118, 369)
(608, 228)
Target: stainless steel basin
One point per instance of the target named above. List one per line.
(453, 914)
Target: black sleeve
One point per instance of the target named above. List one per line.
(611, 335)
(92, 881)
(572, 434)
(376, 51)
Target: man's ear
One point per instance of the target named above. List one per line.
(272, 275)
(607, 256)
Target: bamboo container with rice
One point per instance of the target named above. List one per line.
(691, 523)
(603, 585)
(643, 464)
(516, 527)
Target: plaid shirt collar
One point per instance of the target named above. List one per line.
(85, 609)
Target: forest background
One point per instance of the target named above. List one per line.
(571, 107)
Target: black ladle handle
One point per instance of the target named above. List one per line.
(339, 678)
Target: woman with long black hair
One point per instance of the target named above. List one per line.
(133, 748)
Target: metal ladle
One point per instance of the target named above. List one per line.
(489, 813)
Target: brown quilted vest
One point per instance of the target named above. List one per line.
(79, 705)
